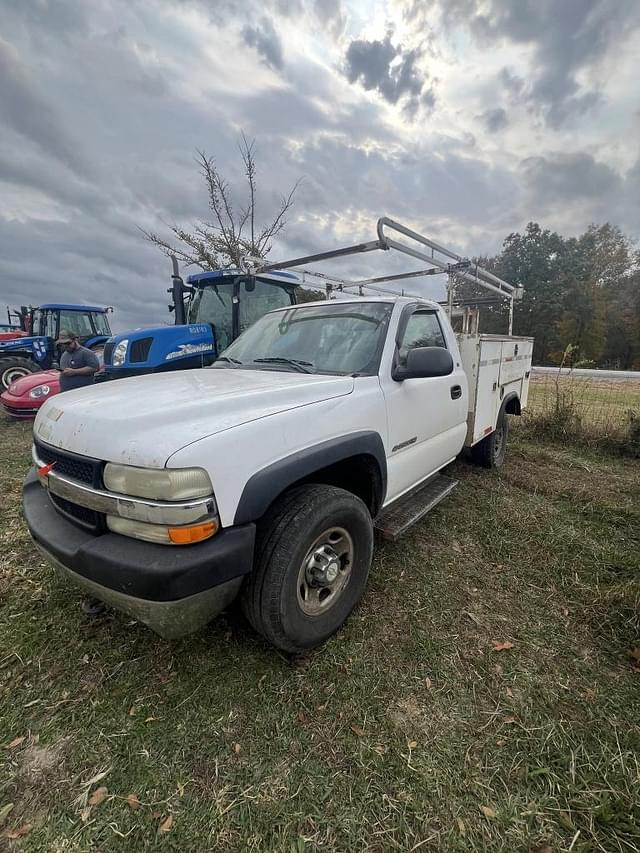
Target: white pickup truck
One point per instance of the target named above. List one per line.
(265, 475)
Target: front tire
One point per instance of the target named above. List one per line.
(491, 451)
(313, 554)
(15, 368)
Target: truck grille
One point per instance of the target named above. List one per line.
(85, 470)
(81, 468)
(108, 349)
(139, 350)
(87, 518)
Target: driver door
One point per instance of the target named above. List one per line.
(427, 417)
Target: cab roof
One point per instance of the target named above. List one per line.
(212, 275)
(64, 306)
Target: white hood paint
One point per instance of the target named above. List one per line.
(146, 419)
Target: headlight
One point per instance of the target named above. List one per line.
(39, 391)
(160, 484)
(120, 353)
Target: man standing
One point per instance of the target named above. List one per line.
(77, 363)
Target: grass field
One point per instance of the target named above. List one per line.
(601, 408)
(485, 695)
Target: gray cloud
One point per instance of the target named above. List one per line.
(495, 119)
(266, 41)
(24, 108)
(566, 37)
(102, 112)
(389, 70)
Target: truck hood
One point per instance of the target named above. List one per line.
(145, 419)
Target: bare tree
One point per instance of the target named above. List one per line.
(231, 234)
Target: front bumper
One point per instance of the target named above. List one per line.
(174, 590)
(16, 407)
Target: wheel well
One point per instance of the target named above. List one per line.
(511, 405)
(359, 475)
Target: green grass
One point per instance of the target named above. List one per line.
(395, 735)
(601, 407)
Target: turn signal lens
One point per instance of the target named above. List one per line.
(195, 533)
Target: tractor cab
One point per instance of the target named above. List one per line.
(86, 321)
(230, 301)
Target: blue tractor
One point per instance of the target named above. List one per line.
(210, 311)
(30, 345)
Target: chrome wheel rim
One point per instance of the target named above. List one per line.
(325, 571)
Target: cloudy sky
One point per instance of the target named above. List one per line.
(464, 118)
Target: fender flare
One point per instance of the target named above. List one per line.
(263, 487)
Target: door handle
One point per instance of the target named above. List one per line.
(456, 392)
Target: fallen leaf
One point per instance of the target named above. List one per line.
(132, 801)
(236, 748)
(428, 682)
(500, 743)
(25, 829)
(151, 719)
(166, 824)
(565, 611)
(509, 720)
(302, 718)
(462, 827)
(357, 730)
(379, 748)
(84, 814)
(509, 692)
(322, 707)
(4, 811)
(412, 744)
(487, 811)
(16, 742)
(98, 796)
(133, 711)
(501, 647)
(85, 658)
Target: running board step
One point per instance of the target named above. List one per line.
(393, 521)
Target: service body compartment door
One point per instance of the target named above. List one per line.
(487, 401)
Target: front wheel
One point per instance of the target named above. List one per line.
(313, 554)
(490, 452)
(15, 368)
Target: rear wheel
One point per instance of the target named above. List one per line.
(490, 452)
(15, 368)
(313, 555)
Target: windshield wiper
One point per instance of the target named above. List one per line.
(296, 363)
(227, 359)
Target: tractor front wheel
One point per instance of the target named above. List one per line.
(14, 368)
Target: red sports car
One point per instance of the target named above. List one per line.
(24, 397)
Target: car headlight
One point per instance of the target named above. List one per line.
(119, 355)
(161, 484)
(39, 391)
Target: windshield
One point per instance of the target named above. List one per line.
(214, 304)
(101, 323)
(258, 301)
(343, 338)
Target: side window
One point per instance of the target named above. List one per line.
(76, 322)
(423, 330)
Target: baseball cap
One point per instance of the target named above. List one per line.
(66, 337)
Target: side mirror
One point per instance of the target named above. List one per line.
(423, 363)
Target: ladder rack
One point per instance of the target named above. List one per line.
(441, 260)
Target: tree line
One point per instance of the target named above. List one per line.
(581, 297)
